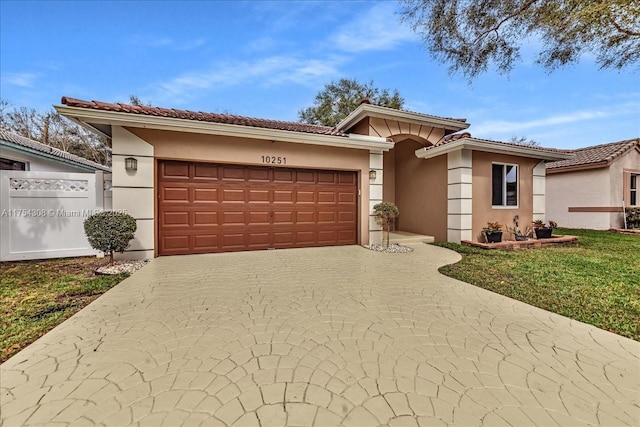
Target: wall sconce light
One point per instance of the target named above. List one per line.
(130, 164)
(372, 174)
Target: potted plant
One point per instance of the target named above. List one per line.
(519, 235)
(493, 232)
(542, 230)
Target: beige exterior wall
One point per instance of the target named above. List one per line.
(483, 212)
(134, 191)
(213, 148)
(420, 191)
(598, 193)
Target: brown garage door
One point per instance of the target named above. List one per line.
(207, 207)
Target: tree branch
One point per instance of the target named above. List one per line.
(495, 29)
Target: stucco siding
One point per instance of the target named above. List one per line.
(421, 191)
(589, 190)
(483, 211)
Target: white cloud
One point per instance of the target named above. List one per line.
(503, 126)
(377, 29)
(168, 43)
(268, 71)
(20, 79)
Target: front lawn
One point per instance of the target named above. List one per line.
(596, 282)
(35, 296)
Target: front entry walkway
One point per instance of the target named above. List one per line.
(320, 336)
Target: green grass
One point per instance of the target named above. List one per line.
(596, 282)
(35, 296)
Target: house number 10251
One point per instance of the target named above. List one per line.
(274, 160)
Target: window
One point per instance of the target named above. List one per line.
(634, 190)
(504, 185)
(12, 165)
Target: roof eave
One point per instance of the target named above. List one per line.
(368, 110)
(575, 168)
(114, 118)
(491, 147)
(21, 148)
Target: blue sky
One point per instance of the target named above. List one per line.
(269, 59)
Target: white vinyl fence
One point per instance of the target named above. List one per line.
(42, 213)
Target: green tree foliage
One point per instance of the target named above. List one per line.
(340, 98)
(110, 231)
(386, 214)
(470, 35)
(52, 129)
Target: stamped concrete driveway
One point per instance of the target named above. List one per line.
(321, 336)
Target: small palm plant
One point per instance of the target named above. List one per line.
(386, 214)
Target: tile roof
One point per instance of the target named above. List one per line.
(47, 149)
(205, 117)
(457, 136)
(596, 155)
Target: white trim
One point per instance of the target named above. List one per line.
(368, 110)
(491, 147)
(113, 118)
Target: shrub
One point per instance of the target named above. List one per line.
(386, 213)
(110, 231)
(633, 217)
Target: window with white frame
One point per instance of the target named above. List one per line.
(634, 191)
(504, 185)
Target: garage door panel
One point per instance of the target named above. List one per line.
(258, 196)
(305, 177)
(347, 178)
(305, 196)
(283, 175)
(175, 194)
(259, 218)
(326, 178)
(283, 196)
(233, 195)
(233, 218)
(283, 218)
(305, 217)
(215, 208)
(205, 194)
(179, 218)
(205, 218)
(206, 241)
(259, 175)
(346, 198)
(233, 173)
(326, 197)
(205, 171)
(325, 217)
(175, 170)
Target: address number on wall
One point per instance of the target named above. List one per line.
(274, 160)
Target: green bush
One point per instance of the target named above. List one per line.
(633, 217)
(110, 231)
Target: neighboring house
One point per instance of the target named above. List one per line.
(214, 182)
(24, 154)
(45, 196)
(590, 190)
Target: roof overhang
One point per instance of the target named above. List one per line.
(17, 148)
(369, 110)
(587, 166)
(492, 147)
(100, 121)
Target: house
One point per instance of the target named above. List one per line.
(45, 196)
(24, 154)
(590, 190)
(201, 182)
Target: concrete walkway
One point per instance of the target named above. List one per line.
(318, 337)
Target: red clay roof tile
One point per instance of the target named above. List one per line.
(205, 117)
(597, 154)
